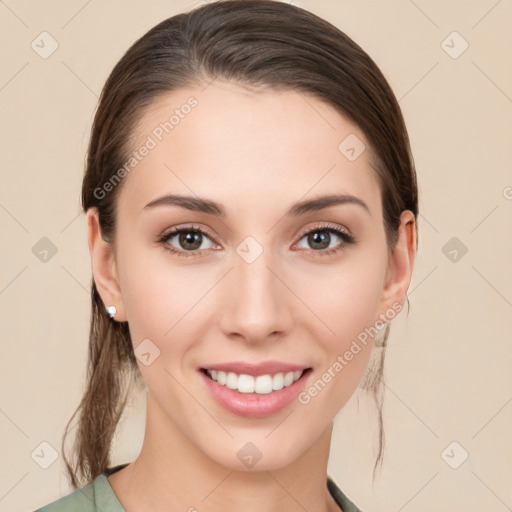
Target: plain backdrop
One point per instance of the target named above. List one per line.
(448, 409)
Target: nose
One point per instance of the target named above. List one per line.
(256, 303)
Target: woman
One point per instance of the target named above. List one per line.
(251, 206)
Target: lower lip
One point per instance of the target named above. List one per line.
(255, 405)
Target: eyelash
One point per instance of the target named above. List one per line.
(345, 236)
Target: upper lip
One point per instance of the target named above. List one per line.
(266, 367)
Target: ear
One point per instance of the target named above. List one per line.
(401, 261)
(104, 266)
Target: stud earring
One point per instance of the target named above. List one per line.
(111, 311)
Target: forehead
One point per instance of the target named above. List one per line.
(248, 146)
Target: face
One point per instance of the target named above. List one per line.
(238, 275)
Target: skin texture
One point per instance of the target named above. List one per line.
(256, 152)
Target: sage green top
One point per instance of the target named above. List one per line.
(98, 496)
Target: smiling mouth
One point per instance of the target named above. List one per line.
(260, 384)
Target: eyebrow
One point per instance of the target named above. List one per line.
(213, 208)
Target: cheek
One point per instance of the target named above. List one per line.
(346, 299)
(348, 302)
(350, 309)
(162, 299)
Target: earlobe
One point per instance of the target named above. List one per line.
(401, 261)
(103, 266)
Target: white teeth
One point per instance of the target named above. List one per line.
(262, 384)
(278, 381)
(231, 380)
(245, 383)
(288, 379)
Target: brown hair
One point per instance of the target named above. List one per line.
(254, 42)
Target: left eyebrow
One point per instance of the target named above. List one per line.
(213, 208)
(322, 202)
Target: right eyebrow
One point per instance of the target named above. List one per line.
(189, 203)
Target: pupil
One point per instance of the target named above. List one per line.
(189, 238)
(320, 237)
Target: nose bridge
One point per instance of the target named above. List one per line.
(256, 305)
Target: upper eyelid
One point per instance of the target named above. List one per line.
(326, 226)
(189, 227)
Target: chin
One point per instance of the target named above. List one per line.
(256, 453)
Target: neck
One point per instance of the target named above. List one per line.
(171, 473)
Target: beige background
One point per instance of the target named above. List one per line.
(448, 372)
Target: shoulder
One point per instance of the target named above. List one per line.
(80, 500)
(340, 498)
(97, 496)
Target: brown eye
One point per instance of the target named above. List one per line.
(187, 239)
(319, 239)
(322, 240)
(190, 240)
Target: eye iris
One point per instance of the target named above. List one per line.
(189, 237)
(320, 237)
